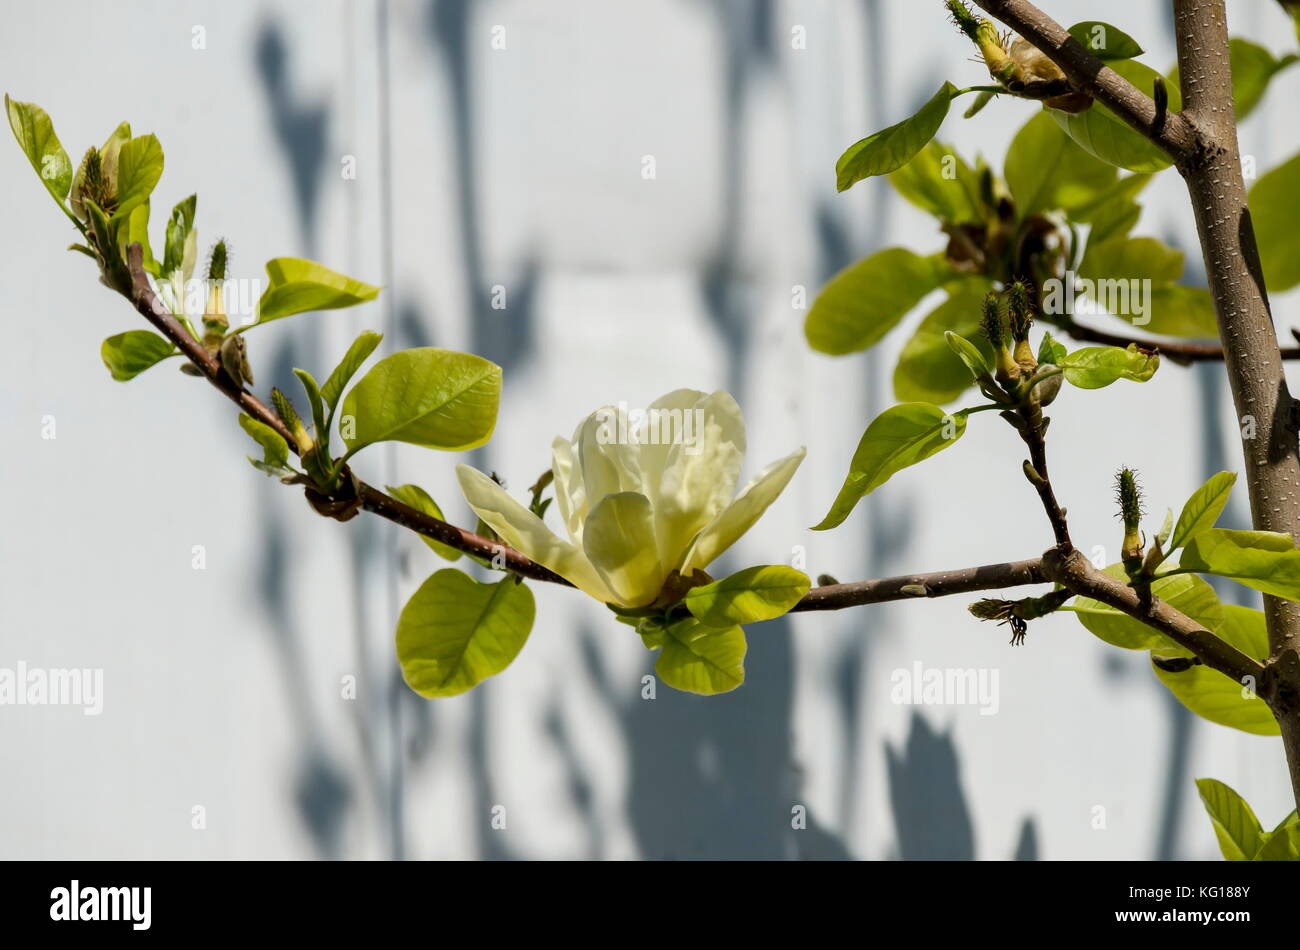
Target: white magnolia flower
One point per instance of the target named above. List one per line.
(640, 498)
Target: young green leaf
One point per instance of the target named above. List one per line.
(139, 166)
(1213, 696)
(134, 229)
(419, 499)
(938, 182)
(1128, 259)
(891, 148)
(1103, 134)
(357, 353)
(1182, 311)
(1114, 212)
(968, 353)
(900, 436)
(748, 596)
(1283, 842)
(864, 301)
(179, 228)
(275, 451)
(1235, 824)
(1265, 560)
(35, 134)
(1202, 509)
(1104, 41)
(314, 400)
(129, 354)
(698, 658)
(1275, 209)
(1046, 170)
(927, 369)
(427, 396)
(1094, 367)
(1050, 351)
(1191, 595)
(455, 632)
(297, 285)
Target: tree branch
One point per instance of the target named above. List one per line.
(1176, 350)
(1174, 135)
(919, 586)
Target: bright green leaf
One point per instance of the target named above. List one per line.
(1050, 351)
(1094, 367)
(1106, 136)
(1114, 212)
(864, 301)
(1275, 210)
(275, 451)
(179, 227)
(698, 658)
(1202, 510)
(1265, 560)
(1130, 259)
(314, 400)
(297, 286)
(455, 632)
(900, 436)
(1104, 41)
(937, 181)
(419, 499)
(1046, 170)
(891, 148)
(1235, 824)
(968, 353)
(139, 166)
(756, 593)
(1283, 843)
(1213, 696)
(357, 353)
(129, 354)
(35, 134)
(427, 396)
(1181, 311)
(134, 229)
(928, 370)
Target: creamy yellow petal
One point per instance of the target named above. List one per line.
(740, 515)
(524, 531)
(619, 541)
(700, 472)
(570, 493)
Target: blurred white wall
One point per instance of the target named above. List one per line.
(522, 167)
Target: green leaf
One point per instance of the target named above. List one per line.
(179, 227)
(1103, 134)
(1235, 825)
(1213, 696)
(1104, 41)
(1181, 311)
(748, 596)
(1283, 843)
(275, 451)
(1050, 351)
(129, 354)
(900, 436)
(35, 134)
(1132, 259)
(1045, 170)
(928, 370)
(427, 396)
(968, 353)
(115, 273)
(1192, 595)
(357, 353)
(139, 166)
(1094, 367)
(1265, 560)
(455, 632)
(864, 301)
(1202, 509)
(314, 400)
(134, 229)
(1275, 209)
(891, 148)
(698, 658)
(298, 285)
(1114, 212)
(937, 181)
(419, 499)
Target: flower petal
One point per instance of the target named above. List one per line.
(619, 540)
(570, 492)
(700, 472)
(655, 448)
(527, 533)
(740, 515)
(609, 463)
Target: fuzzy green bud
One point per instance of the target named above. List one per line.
(292, 421)
(1005, 367)
(218, 260)
(1129, 497)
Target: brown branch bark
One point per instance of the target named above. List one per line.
(1179, 351)
(921, 586)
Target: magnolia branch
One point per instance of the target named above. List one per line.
(1179, 351)
(1173, 133)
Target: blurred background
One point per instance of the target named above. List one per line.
(500, 147)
